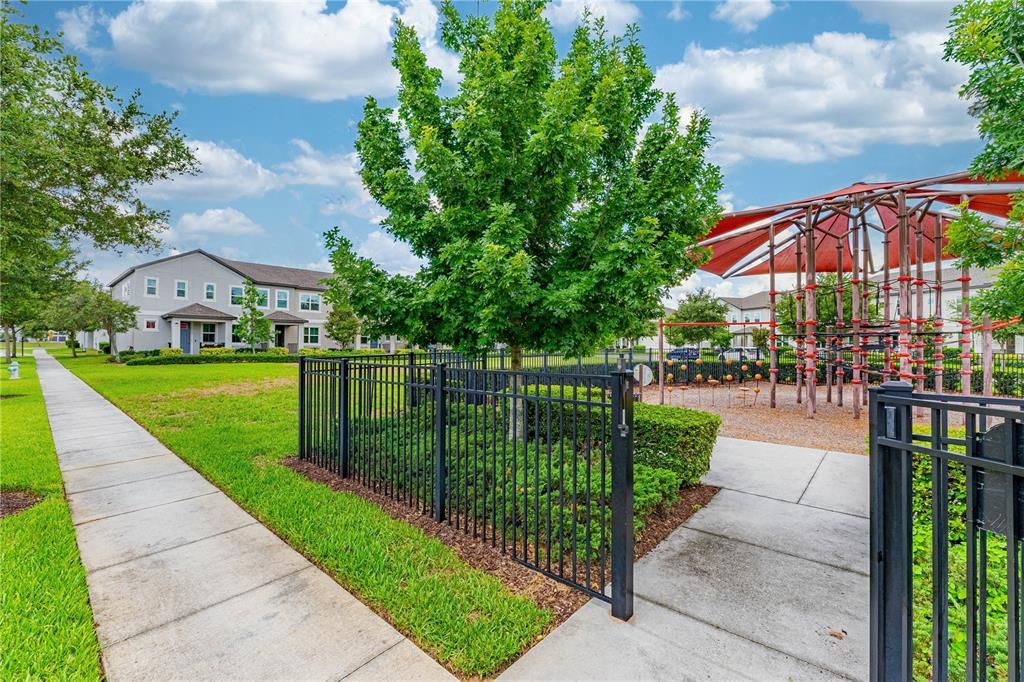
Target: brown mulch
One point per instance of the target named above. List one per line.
(561, 600)
(833, 427)
(14, 501)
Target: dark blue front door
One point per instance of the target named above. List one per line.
(186, 338)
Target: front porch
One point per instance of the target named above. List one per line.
(196, 326)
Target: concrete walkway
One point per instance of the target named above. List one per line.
(183, 583)
(768, 582)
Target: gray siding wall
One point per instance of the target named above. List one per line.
(196, 270)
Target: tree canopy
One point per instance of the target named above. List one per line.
(988, 37)
(553, 201)
(252, 325)
(700, 306)
(342, 325)
(826, 313)
(73, 155)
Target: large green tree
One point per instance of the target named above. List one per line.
(553, 201)
(988, 37)
(700, 306)
(73, 156)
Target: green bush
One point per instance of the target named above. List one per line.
(276, 350)
(105, 347)
(675, 438)
(71, 343)
(664, 437)
(216, 351)
(170, 352)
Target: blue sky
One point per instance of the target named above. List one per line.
(804, 97)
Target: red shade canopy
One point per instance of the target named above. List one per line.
(742, 236)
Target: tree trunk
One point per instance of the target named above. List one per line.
(517, 424)
(74, 343)
(112, 338)
(7, 344)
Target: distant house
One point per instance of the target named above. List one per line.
(193, 299)
(752, 308)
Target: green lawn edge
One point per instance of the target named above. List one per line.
(464, 617)
(46, 622)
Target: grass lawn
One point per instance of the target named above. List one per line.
(46, 626)
(235, 423)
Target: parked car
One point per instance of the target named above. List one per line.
(734, 354)
(683, 354)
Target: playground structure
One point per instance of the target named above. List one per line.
(864, 230)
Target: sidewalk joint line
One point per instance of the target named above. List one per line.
(811, 480)
(120, 461)
(168, 549)
(370, 660)
(183, 616)
(137, 480)
(162, 504)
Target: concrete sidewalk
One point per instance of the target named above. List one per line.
(768, 582)
(183, 583)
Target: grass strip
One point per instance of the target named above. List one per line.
(236, 423)
(46, 624)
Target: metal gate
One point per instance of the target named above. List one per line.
(539, 465)
(947, 520)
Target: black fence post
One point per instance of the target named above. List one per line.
(440, 420)
(410, 381)
(622, 495)
(343, 425)
(302, 407)
(891, 525)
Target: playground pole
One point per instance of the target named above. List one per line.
(773, 337)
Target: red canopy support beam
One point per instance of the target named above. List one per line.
(811, 321)
(798, 298)
(986, 355)
(855, 318)
(919, 315)
(938, 340)
(773, 325)
(661, 361)
(886, 306)
(903, 281)
(865, 306)
(840, 323)
(965, 329)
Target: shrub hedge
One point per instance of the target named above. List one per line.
(216, 351)
(170, 352)
(210, 359)
(664, 436)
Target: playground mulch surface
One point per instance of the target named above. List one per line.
(833, 427)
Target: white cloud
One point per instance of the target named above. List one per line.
(744, 15)
(79, 25)
(907, 16)
(826, 99)
(313, 167)
(302, 48)
(677, 13)
(393, 256)
(227, 222)
(617, 14)
(225, 174)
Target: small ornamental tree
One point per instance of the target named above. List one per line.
(74, 311)
(700, 306)
(553, 201)
(759, 337)
(342, 325)
(253, 327)
(114, 317)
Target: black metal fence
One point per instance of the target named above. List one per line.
(537, 464)
(947, 521)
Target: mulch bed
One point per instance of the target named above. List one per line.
(14, 501)
(561, 600)
(833, 428)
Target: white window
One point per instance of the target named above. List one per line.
(746, 318)
(237, 293)
(149, 325)
(235, 338)
(281, 303)
(180, 288)
(210, 291)
(264, 301)
(126, 289)
(309, 301)
(311, 336)
(209, 332)
(151, 286)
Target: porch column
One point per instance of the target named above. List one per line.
(175, 333)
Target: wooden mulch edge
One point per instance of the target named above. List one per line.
(14, 501)
(561, 600)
